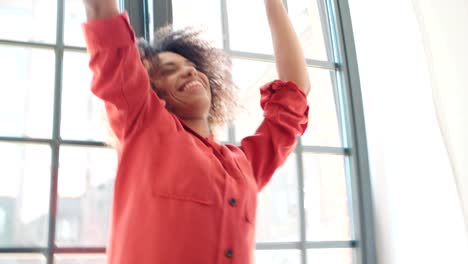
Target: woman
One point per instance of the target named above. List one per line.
(180, 197)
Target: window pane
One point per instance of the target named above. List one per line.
(330, 256)
(22, 259)
(221, 134)
(83, 114)
(278, 209)
(201, 14)
(326, 199)
(323, 128)
(85, 187)
(250, 75)
(26, 92)
(80, 259)
(277, 257)
(24, 194)
(305, 17)
(28, 20)
(248, 26)
(74, 16)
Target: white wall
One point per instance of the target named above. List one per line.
(445, 33)
(419, 219)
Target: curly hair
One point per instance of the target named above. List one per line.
(213, 62)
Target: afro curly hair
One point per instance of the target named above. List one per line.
(213, 62)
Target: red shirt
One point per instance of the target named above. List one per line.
(181, 198)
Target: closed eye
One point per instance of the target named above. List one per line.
(164, 71)
(187, 62)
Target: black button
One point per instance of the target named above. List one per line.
(229, 253)
(232, 202)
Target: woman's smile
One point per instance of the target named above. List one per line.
(191, 86)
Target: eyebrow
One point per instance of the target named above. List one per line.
(171, 63)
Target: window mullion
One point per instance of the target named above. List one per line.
(358, 165)
(55, 143)
(162, 13)
(138, 14)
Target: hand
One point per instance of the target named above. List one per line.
(99, 9)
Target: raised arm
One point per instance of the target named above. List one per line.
(283, 101)
(290, 62)
(99, 9)
(119, 77)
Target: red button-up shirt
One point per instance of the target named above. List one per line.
(181, 198)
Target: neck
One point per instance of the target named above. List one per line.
(201, 126)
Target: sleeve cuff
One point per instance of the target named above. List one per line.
(286, 105)
(284, 93)
(112, 32)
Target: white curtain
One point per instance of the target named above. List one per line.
(444, 29)
(408, 55)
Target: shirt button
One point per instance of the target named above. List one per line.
(229, 253)
(232, 202)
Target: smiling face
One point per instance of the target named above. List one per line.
(185, 89)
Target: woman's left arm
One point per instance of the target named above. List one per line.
(290, 61)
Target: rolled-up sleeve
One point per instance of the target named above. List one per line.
(107, 33)
(119, 77)
(285, 117)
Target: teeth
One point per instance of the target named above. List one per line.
(191, 84)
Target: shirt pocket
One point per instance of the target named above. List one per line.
(182, 172)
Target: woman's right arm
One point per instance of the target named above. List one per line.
(99, 9)
(119, 77)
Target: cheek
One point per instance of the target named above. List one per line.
(163, 85)
(206, 80)
(160, 90)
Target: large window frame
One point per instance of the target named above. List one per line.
(340, 47)
(336, 20)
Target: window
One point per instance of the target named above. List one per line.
(50, 120)
(311, 212)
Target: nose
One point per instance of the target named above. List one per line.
(189, 71)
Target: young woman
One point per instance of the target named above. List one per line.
(180, 197)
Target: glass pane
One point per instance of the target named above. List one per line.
(22, 259)
(326, 197)
(323, 128)
(80, 259)
(201, 14)
(24, 194)
(74, 16)
(278, 208)
(305, 17)
(248, 26)
(85, 187)
(330, 256)
(221, 134)
(26, 92)
(250, 75)
(83, 114)
(277, 256)
(28, 20)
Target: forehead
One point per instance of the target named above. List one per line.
(170, 57)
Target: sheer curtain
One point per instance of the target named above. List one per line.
(444, 28)
(410, 55)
